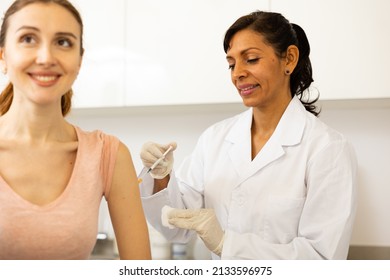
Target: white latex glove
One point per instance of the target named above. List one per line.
(204, 222)
(151, 152)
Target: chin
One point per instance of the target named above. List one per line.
(249, 103)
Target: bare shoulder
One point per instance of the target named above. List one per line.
(124, 167)
(124, 155)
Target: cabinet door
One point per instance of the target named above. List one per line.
(101, 79)
(174, 50)
(349, 44)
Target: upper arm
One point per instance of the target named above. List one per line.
(126, 210)
(330, 206)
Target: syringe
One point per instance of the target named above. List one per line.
(155, 163)
(160, 159)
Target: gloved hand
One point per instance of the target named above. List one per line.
(151, 152)
(204, 222)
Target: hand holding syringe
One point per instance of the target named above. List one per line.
(147, 155)
(160, 159)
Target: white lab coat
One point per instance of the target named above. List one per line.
(295, 200)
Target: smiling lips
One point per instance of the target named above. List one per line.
(45, 80)
(247, 89)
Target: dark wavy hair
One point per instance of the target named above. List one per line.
(280, 34)
(6, 96)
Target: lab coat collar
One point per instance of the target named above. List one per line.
(288, 132)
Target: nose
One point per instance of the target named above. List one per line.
(45, 55)
(238, 71)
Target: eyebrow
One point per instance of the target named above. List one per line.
(69, 34)
(244, 51)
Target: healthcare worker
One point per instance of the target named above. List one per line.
(273, 182)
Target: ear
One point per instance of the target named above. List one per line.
(292, 56)
(3, 66)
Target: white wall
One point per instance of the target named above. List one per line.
(365, 123)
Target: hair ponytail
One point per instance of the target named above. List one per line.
(302, 76)
(6, 98)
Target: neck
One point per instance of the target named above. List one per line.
(266, 119)
(34, 126)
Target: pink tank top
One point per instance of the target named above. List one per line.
(67, 227)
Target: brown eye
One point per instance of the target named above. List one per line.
(27, 39)
(66, 43)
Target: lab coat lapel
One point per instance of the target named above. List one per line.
(271, 151)
(288, 132)
(240, 139)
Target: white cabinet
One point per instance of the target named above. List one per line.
(349, 44)
(175, 50)
(101, 81)
(168, 52)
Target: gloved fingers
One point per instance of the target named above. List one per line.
(203, 221)
(166, 146)
(162, 164)
(184, 223)
(162, 170)
(154, 149)
(171, 220)
(173, 145)
(168, 159)
(160, 149)
(147, 162)
(184, 213)
(159, 173)
(150, 152)
(159, 169)
(183, 218)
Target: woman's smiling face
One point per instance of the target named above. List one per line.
(256, 71)
(42, 53)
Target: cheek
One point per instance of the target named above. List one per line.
(17, 60)
(73, 66)
(262, 76)
(13, 66)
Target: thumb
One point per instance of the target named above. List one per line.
(171, 144)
